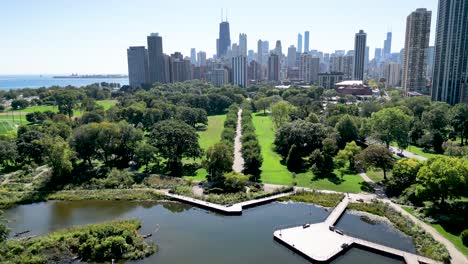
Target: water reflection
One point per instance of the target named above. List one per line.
(193, 235)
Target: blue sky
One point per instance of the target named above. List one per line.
(91, 36)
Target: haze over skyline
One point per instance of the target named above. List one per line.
(64, 37)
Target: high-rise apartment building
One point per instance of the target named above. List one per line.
(193, 56)
(299, 43)
(306, 41)
(243, 44)
(251, 55)
(266, 51)
(292, 56)
(392, 74)
(181, 69)
(156, 59)
(377, 54)
(201, 58)
(254, 71)
(418, 28)
(309, 68)
(260, 51)
(430, 62)
(218, 77)
(278, 48)
(273, 68)
(239, 71)
(137, 65)
(450, 83)
(224, 40)
(359, 55)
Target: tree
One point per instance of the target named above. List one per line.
(28, 145)
(391, 124)
(313, 118)
(442, 178)
(145, 154)
(376, 156)
(219, 160)
(19, 104)
(235, 182)
(66, 102)
(57, 156)
(322, 160)
(436, 119)
(347, 155)
(347, 130)
(174, 141)
(306, 136)
(192, 116)
(263, 103)
(91, 117)
(367, 108)
(8, 153)
(294, 160)
(280, 112)
(459, 120)
(403, 176)
(4, 230)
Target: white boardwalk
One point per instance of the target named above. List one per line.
(318, 242)
(235, 209)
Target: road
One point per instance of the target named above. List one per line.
(408, 154)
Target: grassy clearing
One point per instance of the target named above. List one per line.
(105, 242)
(419, 151)
(455, 239)
(322, 199)
(276, 173)
(208, 138)
(377, 174)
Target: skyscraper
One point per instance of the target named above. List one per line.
(273, 68)
(201, 58)
(224, 40)
(392, 74)
(418, 27)
(239, 71)
(299, 43)
(292, 56)
(388, 45)
(306, 41)
(430, 62)
(377, 54)
(251, 55)
(450, 83)
(366, 59)
(309, 68)
(278, 48)
(266, 51)
(359, 55)
(243, 44)
(156, 59)
(193, 56)
(260, 51)
(137, 65)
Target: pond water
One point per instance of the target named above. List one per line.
(192, 235)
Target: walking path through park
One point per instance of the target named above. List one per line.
(238, 165)
(408, 154)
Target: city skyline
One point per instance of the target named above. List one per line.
(101, 48)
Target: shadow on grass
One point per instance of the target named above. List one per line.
(332, 177)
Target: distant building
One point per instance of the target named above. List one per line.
(356, 88)
(450, 83)
(156, 63)
(418, 27)
(430, 62)
(251, 55)
(393, 74)
(359, 55)
(239, 71)
(273, 68)
(378, 54)
(137, 66)
(309, 68)
(218, 77)
(243, 44)
(306, 42)
(278, 48)
(292, 56)
(299, 43)
(254, 71)
(224, 40)
(193, 56)
(266, 52)
(328, 80)
(260, 51)
(201, 58)
(387, 45)
(181, 69)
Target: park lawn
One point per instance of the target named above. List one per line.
(276, 173)
(377, 174)
(208, 138)
(454, 239)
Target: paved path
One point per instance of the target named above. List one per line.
(238, 165)
(408, 154)
(337, 212)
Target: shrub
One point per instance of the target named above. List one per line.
(464, 237)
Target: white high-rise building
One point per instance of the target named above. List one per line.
(239, 71)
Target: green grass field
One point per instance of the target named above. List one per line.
(377, 174)
(419, 151)
(456, 240)
(276, 173)
(208, 138)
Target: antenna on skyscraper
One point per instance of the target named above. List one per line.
(221, 15)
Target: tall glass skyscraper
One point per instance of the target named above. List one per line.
(359, 55)
(156, 59)
(306, 42)
(224, 40)
(450, 83)
(299, 43)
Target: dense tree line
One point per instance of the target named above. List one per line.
(251, 151)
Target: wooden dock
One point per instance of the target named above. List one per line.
(320, 242)
(234, 209)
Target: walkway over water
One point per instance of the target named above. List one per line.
(321, 242)
(234, 209)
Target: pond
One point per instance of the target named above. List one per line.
(191, 235)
